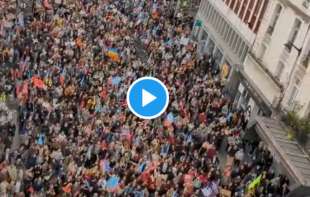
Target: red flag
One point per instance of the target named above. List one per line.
(62, 80)
(47, 5)
(25, 89)
(67, 188)
(37, 82)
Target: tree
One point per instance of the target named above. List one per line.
(300, 127)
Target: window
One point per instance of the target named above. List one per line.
(274, 19)
(217, 21)
(240, 43)
(237, 6)
(255, 14)
(262, 52)
(293, 96)
(210, 47)
(293, 34)
(280, 70)
(202, 8)
(228, 30)
(210, 13)
(261, 16)
(222, 25)
(241, 47)
(232, 4)
(208, 10)
(249, 11)
(243, 8)
(204, 35)
(213, 16)
(225, 30)
(232, 38)
(218, 55)
(244, 52)
(236, 42)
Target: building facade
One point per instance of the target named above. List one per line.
(227, 32)
(275, 72)
(266, 45)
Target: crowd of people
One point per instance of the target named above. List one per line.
(69, 67)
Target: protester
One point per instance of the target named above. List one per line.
(70, 67)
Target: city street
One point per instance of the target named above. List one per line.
(152, 98)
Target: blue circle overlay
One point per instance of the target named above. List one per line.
(153, 109)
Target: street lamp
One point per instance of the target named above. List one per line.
(289, 46)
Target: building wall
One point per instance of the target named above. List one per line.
(249, 11)
(226, 29)
(280, 57)
(275, 43)
(231, 26)
(297, 95)
(268, 52)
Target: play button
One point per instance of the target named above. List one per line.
(147, 98)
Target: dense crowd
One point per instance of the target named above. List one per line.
(69, 68)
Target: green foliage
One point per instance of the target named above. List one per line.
(299, 126)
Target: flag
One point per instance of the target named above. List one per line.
(170, 117)
(47, 5)
(211, 190)
(255, 183)
(25, 89)
(41, 139)
(225, 71)
(79, 43)
(37, 82)
(67, 188)
(105, 166)
(116, 80)
(62, 77)
(61, 80)
(112, 183)
(155, 14)
(141, 167)
(113, 55)
(198, 23)
(2, 97)
(165, 149)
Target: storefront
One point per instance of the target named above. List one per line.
(257, 91)
(207, 45)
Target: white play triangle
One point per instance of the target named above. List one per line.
(147, 98)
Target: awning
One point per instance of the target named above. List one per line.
(265, 86)
(288, 152)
